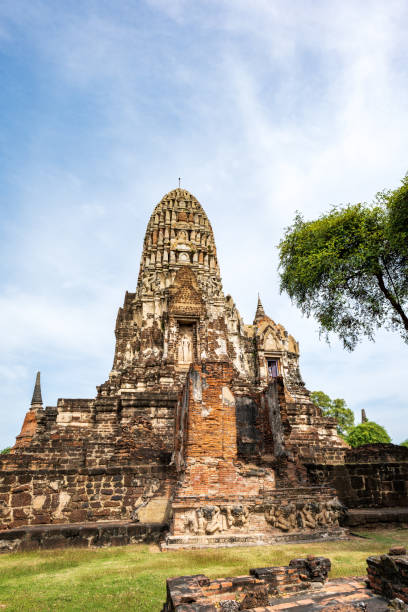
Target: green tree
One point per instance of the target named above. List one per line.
(5, 450)
(367, 433)
(336, 408)
(404, 443)
(349, 268)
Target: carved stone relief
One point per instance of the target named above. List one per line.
(282, 517)
(185, 344)
(208, 520)
(270, 342)
(288, 517)
(304, 515)
(184, 257)
(211, 286)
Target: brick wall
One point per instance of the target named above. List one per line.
(92, 460)
(77, 495)
(374, 475)
(206, 437)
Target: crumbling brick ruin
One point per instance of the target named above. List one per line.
(301, 586)
(204, 424)
(388, 574)
(200, 594)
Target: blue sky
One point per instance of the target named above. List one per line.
(263, 107)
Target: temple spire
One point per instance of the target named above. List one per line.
(37, 397)
(363, 416)
(260, 313)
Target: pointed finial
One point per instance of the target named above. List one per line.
(179, 181)
(260, 313)
(37, 398)
(363, 416)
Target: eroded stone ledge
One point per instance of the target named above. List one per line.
(85, 535)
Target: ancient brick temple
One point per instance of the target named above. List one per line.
(204, 424)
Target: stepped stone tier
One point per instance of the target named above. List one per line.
(204, 423)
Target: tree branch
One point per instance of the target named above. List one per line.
(391, 281)
(394, 303)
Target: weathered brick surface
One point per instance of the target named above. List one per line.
(388, 575)
(206, 439)
(28, 430)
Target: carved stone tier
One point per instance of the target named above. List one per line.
(305, 514)
(171, 542)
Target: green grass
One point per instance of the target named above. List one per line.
(134, 577)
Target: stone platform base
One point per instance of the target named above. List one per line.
(84, 535)
(362, 517)
(226, 540)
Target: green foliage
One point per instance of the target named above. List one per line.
(404, 443)
(367, 433)
(321, 399)
(349, 268)
(396, 203)
(5, 451)
(336, 408)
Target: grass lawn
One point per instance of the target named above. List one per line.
(134, 577)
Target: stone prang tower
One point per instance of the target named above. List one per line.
(204, 427)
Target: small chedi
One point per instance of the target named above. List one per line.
(204, 426)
